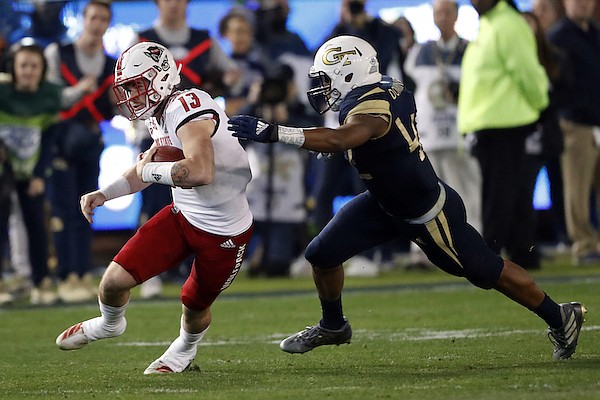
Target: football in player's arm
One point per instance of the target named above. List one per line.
(404, 197)
(209, 217)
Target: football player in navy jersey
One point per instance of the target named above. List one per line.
(404, 197)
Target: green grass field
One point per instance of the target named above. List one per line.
(416, 336)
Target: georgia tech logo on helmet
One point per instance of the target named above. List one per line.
(335, 55)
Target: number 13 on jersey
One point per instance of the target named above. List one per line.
(192, 102)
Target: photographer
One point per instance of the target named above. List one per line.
(277, 191)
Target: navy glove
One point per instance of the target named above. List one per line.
(248, 127)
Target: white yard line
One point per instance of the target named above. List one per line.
(408, 334)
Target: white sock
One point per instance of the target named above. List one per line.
(112, 322)
(113, 316)
(183, 349)
(191, 340)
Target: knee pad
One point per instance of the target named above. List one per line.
(318, 256)
(312, 251)
(486, 277)
(483, 284)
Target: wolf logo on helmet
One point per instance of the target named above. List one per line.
(341, 64)
(145, 74)
(155, 53)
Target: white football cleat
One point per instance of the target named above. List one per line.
(173, 359)
(79, 335)
(72, 338)
(159, 367)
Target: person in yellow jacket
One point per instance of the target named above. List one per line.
(502, 92)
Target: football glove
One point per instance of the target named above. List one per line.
(247, 127)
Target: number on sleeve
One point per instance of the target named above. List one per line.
(194, 101)
(412, 140)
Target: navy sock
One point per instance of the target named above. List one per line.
(333, 317)
(549, 311)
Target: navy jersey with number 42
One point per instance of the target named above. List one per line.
(394, 167)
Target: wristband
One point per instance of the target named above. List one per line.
(118, 188)
(290, 135)
(158, 172)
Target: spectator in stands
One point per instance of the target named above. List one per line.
(501, 100)
(47, 23)
(354, 20)
(6, 186)
(3, 54)
(406, 44)
(548, 12)
(545, 145)
(273, 33)
(29, 105)
(408, 34)
(238, 29)
(277, 192)
(280, 43)
(87, 72)
(577, 37)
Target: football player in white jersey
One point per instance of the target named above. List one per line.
(209, 217)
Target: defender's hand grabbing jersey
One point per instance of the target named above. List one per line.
(220, 207)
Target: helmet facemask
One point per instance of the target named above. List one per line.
(322, 97)
(341, 64)
(145, 75)
(136, 98)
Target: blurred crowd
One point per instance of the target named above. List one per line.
(55, 92)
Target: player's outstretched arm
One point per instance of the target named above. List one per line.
(89, 202)
(126, 184)
(356, 131)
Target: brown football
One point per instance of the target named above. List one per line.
(168, 153)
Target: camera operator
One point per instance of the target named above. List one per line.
(277, 191)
